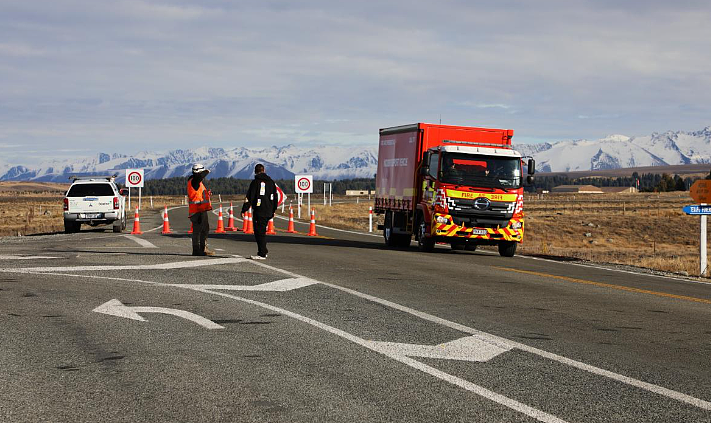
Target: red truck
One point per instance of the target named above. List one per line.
(450, 184)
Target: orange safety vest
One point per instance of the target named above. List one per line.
(198, 199)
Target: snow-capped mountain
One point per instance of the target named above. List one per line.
(619, 151)
(335, 163)
(329, 163)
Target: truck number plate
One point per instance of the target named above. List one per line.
(479, 232)
(93, 215)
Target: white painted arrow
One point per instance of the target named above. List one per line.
(281, 285)
(469, 348)
(116, 308)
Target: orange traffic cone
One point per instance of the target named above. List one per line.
(290, 229)
(136, 224)
(270, 227)
(244, 222)
(250, 226)
(166, 222)
(220, 223)
(312, 227)
(231, 222)
(191, 228)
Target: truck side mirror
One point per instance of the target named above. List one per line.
(529, 180)
(424, 170)
(531, 166)
(123, 192)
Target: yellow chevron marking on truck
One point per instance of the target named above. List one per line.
(472, 195)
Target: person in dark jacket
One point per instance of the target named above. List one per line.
(262, 197)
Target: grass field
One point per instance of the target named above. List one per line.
(646, 230)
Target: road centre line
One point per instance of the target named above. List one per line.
(605, 285)
(506, 343)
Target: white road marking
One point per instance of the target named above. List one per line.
(329, 228)
(140, 241)
(373, 346)
(19, 257)
(506, 343)
(397, 354)
(162, 266)
(282, 285)
(116, 308)
(469, 348)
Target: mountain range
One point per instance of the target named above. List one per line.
(336, 162)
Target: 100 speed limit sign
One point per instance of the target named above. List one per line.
(304, 184)
(134, 178)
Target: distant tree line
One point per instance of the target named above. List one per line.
(648, 182)
(232, 186)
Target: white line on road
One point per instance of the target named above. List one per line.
(161, 266)
(19, 257)
(140, 241)
(282, 285)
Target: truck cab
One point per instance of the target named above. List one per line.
(472, 196)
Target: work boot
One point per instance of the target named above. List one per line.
(208, 252)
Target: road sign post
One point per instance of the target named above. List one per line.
(700, 191)
(304, 184)
(134, 179)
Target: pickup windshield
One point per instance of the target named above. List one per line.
(481, 170)
(91, 190)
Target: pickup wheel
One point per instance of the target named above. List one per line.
(507, 248)
(71, 227)
(424, 243)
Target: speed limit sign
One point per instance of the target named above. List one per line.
(134, 178)
(304, 184)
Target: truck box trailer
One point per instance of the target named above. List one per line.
(450, 184)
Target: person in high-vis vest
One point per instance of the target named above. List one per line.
(198, 206)
(262, 198)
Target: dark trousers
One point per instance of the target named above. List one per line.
(200, 230)
(260, 234)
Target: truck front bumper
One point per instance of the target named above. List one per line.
(513, 231)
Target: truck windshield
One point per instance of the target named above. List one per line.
(90, 190)
(481, 170)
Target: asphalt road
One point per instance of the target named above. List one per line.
(97, 326)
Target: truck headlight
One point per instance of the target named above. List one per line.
(516, 225)
(441, 219)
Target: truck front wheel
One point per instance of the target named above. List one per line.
(507, 248)
(424, 242)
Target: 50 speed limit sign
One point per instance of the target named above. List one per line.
(304, 184)
(134, 178)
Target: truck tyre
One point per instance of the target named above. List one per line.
(390, 237)
(507, 248)
(404, 240)
(424, 243)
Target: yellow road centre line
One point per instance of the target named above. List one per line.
(606, 285)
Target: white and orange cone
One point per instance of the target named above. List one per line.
(290, 228)
(136, 224)
(270, 227)
(166, 222)
(231, 222)
(312, 226)
(220, 223)
(250, 225)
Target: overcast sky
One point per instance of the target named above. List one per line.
(82, 76)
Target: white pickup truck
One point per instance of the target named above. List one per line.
(94, 201)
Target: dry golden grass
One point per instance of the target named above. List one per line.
(646, 230)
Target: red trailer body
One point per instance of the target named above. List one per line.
(412, 198)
